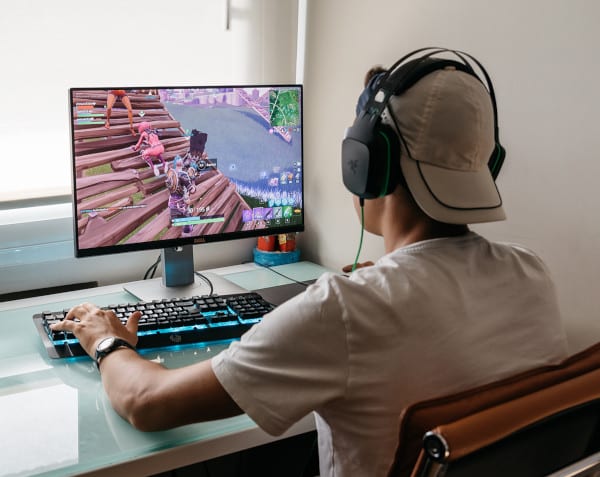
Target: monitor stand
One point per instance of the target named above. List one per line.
(179, 279)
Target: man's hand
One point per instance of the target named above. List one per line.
(90, 324)
(348, 268)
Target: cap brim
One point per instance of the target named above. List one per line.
(455, 197)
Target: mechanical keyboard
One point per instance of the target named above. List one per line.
(168, 322)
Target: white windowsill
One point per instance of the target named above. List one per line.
(35, 235)
(35, 214)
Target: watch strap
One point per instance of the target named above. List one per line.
(117, 343)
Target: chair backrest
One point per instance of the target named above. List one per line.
(530, 436)
(421, 417)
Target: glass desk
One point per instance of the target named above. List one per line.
(56, 419)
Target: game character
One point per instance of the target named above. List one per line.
(180, 187)
(112, 97)
(194, 159)
(151, 146)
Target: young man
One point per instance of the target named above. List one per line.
(443, 310)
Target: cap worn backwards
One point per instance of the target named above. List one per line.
(446, 123)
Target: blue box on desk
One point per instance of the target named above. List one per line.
(270, 259)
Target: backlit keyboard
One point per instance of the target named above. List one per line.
(169, 322)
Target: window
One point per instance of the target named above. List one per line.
(51, 46)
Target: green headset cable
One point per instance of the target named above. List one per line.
(362, 200)
(362, 231)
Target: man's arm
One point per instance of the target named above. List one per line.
(153, 398)
(150, 396)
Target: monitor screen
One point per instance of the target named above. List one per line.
(166, 167)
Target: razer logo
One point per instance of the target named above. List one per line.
(353, 165)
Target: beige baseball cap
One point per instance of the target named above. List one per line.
(446, 123)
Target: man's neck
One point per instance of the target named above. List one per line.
(421, 232)
(402, 222)
(409, 224)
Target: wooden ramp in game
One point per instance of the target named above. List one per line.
(128, 203)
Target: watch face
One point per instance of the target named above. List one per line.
(106, 343)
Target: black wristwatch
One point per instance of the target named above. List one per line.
(108, 345)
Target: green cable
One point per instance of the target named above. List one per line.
(362, 232)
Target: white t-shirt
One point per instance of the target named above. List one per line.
(426, 320)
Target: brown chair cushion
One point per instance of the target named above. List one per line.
(418, 418)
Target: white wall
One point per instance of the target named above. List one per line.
(543, 59)
(48, 47)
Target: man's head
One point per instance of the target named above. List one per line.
(438, 118)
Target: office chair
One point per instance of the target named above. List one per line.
(536, 423)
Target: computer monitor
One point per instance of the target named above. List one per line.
(169, 167)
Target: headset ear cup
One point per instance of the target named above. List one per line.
(356, 157)
(370, 162)
(385, 168)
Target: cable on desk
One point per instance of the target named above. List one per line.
(207, 280)
(152, 269)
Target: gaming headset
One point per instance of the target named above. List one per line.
(371, 149)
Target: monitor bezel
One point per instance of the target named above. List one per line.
(181, 241)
